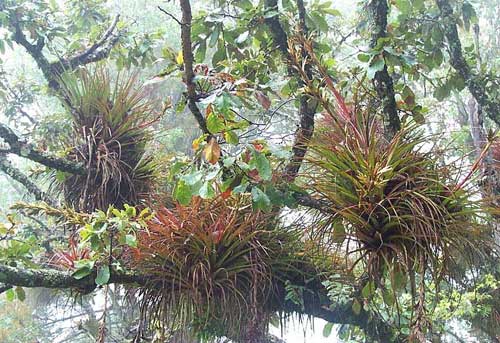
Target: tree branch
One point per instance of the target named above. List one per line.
(308, 106)
(49, 278)
(34, 50)
(458, 62)
(5, 288)
(53, 71)
(273, 23)
(307, 110)
(308, 201)
(26, 150)
(316, 302)
(383, 82)
(188, 60)
(98, 51)
(170, 15)
(7, 167)
(318, 305)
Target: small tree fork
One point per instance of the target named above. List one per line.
(52, 71)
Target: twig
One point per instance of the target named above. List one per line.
(188, 61)
(171, 16)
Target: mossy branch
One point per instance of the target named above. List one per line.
(22, 148)
(49, 278)
(458, 62)
(7, 167)
(52, 71)
(383, 82)
(316, 302)
(308, 106)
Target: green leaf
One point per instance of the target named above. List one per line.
(131, 240)
(21, 295)
(242, 188)
(403, 5)
(356, 307)
(327, 329)
(437, 57)
(103, 275)
(457, 82)
(275, 196)
(364, 57)
(262, 164)
(332, 11)
(130, 210)
(388, 296)
(231, 137)
(214, 123)
(244, 4)
(437, 35)
(84, 264)
(82, 272)
(10, 294)
(377, 64)
(260, 200)
(201, 51)
(442, 92)
(182, 193)
(206, 191)
(192, 178)
(369, 290)
(219, 55)
(319, 21)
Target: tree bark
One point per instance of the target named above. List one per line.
(308, 106)
(490, 106)
(7, 167)
(315, 300)
(48, 278)
(52, 71)
(383, 81)
(188, 61)
(21, 148)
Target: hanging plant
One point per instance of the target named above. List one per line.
(111, 130)
(213, 267)
(400, 215)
